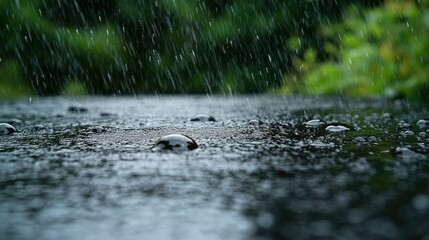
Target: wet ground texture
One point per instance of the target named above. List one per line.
(265, 168)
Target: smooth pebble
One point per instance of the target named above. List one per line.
(6, 129)
(175, 142)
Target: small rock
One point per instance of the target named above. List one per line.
(407, 133)
(178, 142)
(74, 109)
(400, 150)
(314, 123)
(6, 129)
(372, 139)
(336, 128)
(98, 129)
(39, 127)
(407, 153)
(106, 114)
(387, 117)
(403, 125)
(255, 122)
(203, 118)
(423, 123)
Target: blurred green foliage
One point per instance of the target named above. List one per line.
(12, 83)
(373, 51)
(74, 87)
(197, 46)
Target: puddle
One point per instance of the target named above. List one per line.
(268, 167)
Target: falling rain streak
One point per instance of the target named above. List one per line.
(118, 47)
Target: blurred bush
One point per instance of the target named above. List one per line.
(160, 46)
(373, 51)
(12, 82)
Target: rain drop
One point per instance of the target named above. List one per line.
(359, 140)
(107, 114)
(203, 118)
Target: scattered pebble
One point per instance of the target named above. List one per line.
(98, 129)
(255, 122)
(403, 125)
(175, 142)
(39, 127)
(359, 140)
(401, 150)
(407, 133)
(423, 123)
(387, 117)
(203, 118)
(106, 114)
(336, 128)
(314, 123)
(407, 154)
(6, 129)
(74, 109)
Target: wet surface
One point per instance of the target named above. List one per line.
(269, 167)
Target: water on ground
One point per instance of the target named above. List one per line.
(267, 168)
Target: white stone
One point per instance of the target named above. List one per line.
(6, 129)
(175, 142)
